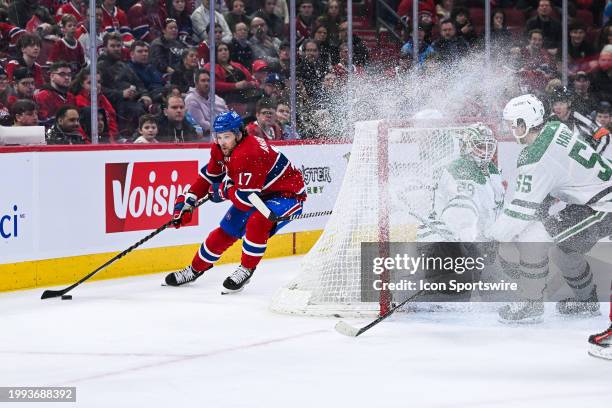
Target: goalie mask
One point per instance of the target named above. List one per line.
(525, 111)
(479, 143)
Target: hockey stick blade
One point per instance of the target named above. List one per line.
(266, 212)
(47, 294)
(344, 328)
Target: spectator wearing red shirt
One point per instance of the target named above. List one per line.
(68, 49)
(116, 20)
(29, 47)
(9, 35)
(81, 88)
(265, 126)
(233, 81)
(147, 20)
(83, 36)
(77, 8)
(53, 96)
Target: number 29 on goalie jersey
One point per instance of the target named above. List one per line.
(467, 200)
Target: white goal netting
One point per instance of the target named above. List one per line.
(392, 172)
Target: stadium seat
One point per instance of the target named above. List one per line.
(585, 16)
(477, 16)
(515, 18)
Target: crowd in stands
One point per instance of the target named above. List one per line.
(154, 72)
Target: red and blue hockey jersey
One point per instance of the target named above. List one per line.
(255, 167)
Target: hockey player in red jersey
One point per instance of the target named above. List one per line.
(601, 343)
(239, 165)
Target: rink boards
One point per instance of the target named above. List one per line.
(66, 210)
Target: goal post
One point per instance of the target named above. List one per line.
(391, 173)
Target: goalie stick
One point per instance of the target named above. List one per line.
(57, 293)
(266, 212)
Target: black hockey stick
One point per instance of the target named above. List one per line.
(351, 331)
(266, 212)
(56, 293)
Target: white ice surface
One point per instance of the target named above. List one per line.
(134, 343)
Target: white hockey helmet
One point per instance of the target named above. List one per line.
(524, 110)
(479, 143)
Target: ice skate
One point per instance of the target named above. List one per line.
(236, 281)
(600, 345)
(527, 312)
(575, 307)
(182, 277)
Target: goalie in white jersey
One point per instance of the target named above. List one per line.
(556, 163)
(469, 193)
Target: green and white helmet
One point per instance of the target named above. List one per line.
(479, 143)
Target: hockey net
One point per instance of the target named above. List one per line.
(392, 171)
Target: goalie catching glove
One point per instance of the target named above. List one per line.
(183, 209)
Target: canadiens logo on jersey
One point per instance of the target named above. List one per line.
(141, 195)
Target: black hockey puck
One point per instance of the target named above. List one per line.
(66, 297)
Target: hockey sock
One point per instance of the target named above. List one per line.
(211, 250)
(576, 272)
(255, 240)
(533, 269)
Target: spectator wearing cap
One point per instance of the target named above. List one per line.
(197, 102)
(81, 88)
(584, 102)
(601, 80)
(264, 46)
(172, 125)
(260, 69)
(200, 19)
(240, 47)
(265, 126)
(166, 51)
(115, 20)
(332, 20)
(361, 55)
(233, 81)
(578, 49)
(602, 114)
(550, 26)
(66, 129)
(449, 47)
(29, 48)
(311, 70)
(236, 14)
(147, 20)
(24, 113)
(425, 48)
(404, 9)
(24, 85)
(304, 23)
(274, 87)
(275, 23)
(183, 75)
(56, 94)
